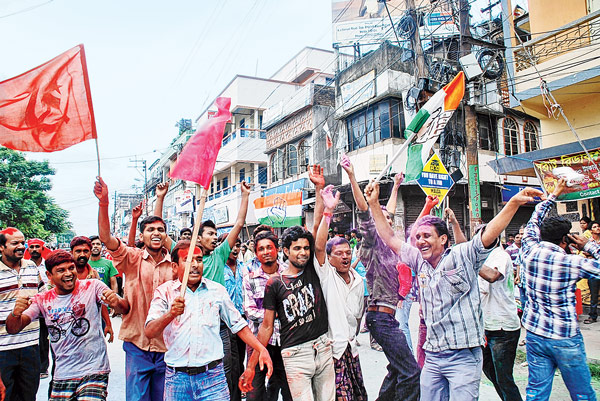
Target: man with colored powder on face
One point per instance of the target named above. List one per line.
(145, 269)
(104, 267)
(71, 312)
(189, 322)
(35, 248)
(296, 298)
(343, 290)
(449, 295)
(215, 258)
(81, 248)
(255, 283)
(19, 354)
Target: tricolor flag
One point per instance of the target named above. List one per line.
(279, 210)
(430, 122)
(48, 108)
(329, 141)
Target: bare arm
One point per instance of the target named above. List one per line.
(263, 355)
(155, 327)
(384, 230)
(101, 192)
(359, 198)
(489, 274)
(315, 173)
(113, 284)
(500, 222)
(329, 203)
(161, 192)
(265, 331)
(391, 204)
(136, 212)
(241, 217)
(107, 323)
(16, 321)
(459, 236)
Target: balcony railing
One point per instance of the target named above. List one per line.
(575, 35)
(244, 133)
(230, 190)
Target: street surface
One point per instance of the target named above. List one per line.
(373, 366)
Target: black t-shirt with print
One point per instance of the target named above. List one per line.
(300, 306)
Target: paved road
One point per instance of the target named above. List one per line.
(373, 365)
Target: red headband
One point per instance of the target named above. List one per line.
(35, 241)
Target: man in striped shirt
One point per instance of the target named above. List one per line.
(19, 353)
(551, 273)
(449, 293)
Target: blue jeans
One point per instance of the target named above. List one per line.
(523, 297)
(144, 374)
(544, 355)
(498, 361)
(402, 316)
(20, 370)
(208, 386)
(402, 379)
(452, 374)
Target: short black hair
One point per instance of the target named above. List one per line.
(261, 228)
(150, 220)
(586, 219)
(58, 258)
(80, 241)
(93, 237)
(594, 222)
(206, 224)
(3, 233)
(438, 224)
(267, 235)
(185, 230)
(185, 244)
(554, 229)
(295, 233)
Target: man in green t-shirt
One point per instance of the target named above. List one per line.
(103, 266)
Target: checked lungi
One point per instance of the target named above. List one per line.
(87, 388)
(348, 378)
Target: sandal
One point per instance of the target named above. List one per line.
(522, 343)
(589, 320)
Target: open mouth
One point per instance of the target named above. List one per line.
(69, 280)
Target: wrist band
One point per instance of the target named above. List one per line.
(328, 216)
(18, 317)
(102, 204)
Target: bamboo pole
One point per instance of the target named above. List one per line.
(197, 223)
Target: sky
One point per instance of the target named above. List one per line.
(150, 64)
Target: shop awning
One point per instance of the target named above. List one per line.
(522, 164)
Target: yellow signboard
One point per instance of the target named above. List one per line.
(435, 179)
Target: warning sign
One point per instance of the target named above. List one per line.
(435, 179)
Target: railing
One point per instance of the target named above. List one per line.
(244, 133)
(575, 35)
(230, 190)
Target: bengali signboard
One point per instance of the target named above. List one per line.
(290, 129)
(581, 173)
(435, 180)
(358, 91)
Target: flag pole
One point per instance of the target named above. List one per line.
(97, 155)
(397, 155)
(197, 223)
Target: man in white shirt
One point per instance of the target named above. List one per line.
(501, 323)
(343, 289)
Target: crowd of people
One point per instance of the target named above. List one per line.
(279, 317)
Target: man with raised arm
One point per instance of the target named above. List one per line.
(402, 380)
(550, 318)
(343, 289)
(449, 295)
(145, 269)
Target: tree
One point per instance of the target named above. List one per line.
(24, 200)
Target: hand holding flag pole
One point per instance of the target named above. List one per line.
(426, 127)
(197, 163)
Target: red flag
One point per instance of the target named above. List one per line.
(48, 108)
(329, 142)
(197, 159)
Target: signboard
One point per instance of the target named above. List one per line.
(583, 177)
(377, 163)
(508, 191)
(358, 91)
(184, 203)
(221, 215)
(474, 192)
(293, 186)
(435, 180)
(364, 21)
(290, 129)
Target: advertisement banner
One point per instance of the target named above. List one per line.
(581, 173)
(435, 180)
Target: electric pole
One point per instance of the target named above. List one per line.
(415, 41)
(470, 127)
(137, 163)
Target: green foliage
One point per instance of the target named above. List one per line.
(24, 202)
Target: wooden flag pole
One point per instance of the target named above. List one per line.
(197, 223)
(397, 155)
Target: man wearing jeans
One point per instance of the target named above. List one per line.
(501, 323)
(594, 283)
(551, 273)
(296, 297)
(449, 294)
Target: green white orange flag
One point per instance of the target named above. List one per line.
(279, 210)
(430, 122)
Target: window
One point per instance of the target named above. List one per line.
(225, 182)
(274, 167)
(292, 160)
(277, 165)
(242, 174)
(303, 160)
(511, 136)
(377, 122)
(486, 127)
(531, 137)
(262, 175)
(218, 185)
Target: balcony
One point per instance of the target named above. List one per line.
(579, 34)
(244, 133)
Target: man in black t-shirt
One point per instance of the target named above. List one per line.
(296, 298)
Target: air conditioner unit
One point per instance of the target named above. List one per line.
(476, 93)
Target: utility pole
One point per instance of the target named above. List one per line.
(415, 41)
(115, 215)
(137, 163)
(470, 127)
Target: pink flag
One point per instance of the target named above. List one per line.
(197, 159)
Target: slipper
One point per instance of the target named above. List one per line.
(522, 343)
(589, 321)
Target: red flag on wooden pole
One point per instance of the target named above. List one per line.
(48, 108)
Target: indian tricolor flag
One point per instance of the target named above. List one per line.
(279, 210)
(430, 122)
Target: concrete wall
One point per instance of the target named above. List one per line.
(546, 15)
